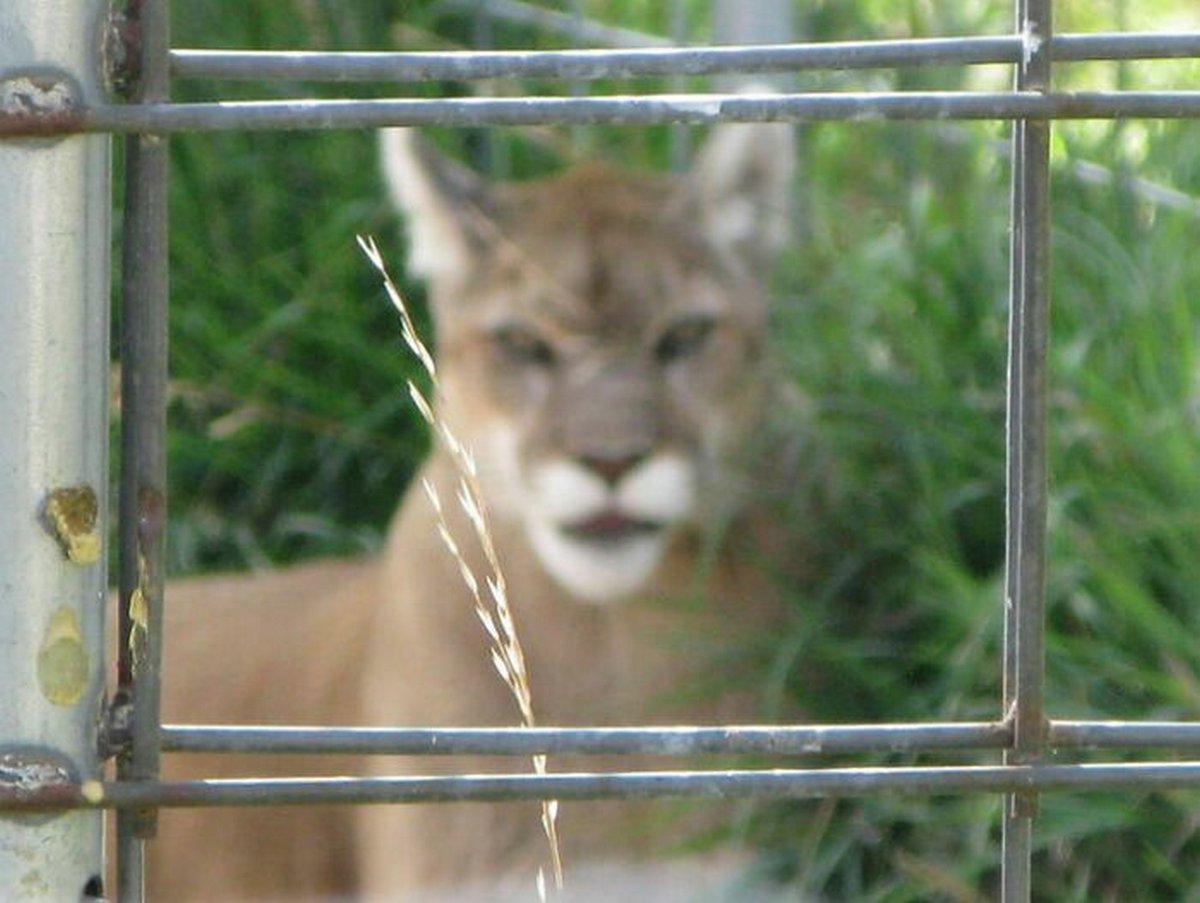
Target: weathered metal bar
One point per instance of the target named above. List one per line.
(334, 66)
(1027, 417)
(54, 278)
(1178, 735)
(680, 137)
(1016, 860)
(1025, 541)
(1016, 833)
(1070, 48)
(673, 741)
(143, 440)
(587, 63)
(754, 24)
(165, 118)
(776, 783)
(757, 739)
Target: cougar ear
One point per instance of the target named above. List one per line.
(444, 203)
(742, 183)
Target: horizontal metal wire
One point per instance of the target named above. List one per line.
(661, 61)
(668, 741)
(616, 110)
(777, 784)
(1074, 48)
(1180, 735)
(590, 64)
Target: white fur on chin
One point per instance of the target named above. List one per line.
(600, 573)
(562, 494)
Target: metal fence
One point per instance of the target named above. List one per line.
(54, 385)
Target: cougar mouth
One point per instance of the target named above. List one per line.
(610, 527)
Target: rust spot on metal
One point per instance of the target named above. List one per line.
(71, 515)
(114, 734)
(152, 513)
(39, 104)
(28, 776)
(121, 50)
(62, 662)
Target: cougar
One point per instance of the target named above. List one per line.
(602, 349)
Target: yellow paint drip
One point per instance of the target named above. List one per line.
(139, 625)
(72, 513)
(93, 792)
(62, 664)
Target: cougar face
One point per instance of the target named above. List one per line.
(601, 339)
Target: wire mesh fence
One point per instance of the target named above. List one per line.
(52, 103)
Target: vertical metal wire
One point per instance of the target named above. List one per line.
(581, 135)
(487, 152)
(143, 446)
(752, 22)
(680, 140)
(1024, 644)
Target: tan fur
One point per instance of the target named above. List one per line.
(570, 356)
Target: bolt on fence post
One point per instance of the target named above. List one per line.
(1024, 623)
(54, 288)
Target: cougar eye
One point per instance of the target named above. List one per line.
(522, 345)
(684, 338)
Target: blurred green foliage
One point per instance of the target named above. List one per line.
(292, 435)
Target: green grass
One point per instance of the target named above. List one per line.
(292, 434)
(898, 329)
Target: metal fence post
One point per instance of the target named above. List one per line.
(54, 291)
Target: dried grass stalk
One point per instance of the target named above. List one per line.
(492, 608)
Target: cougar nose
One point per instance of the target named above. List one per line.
(611, 468)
